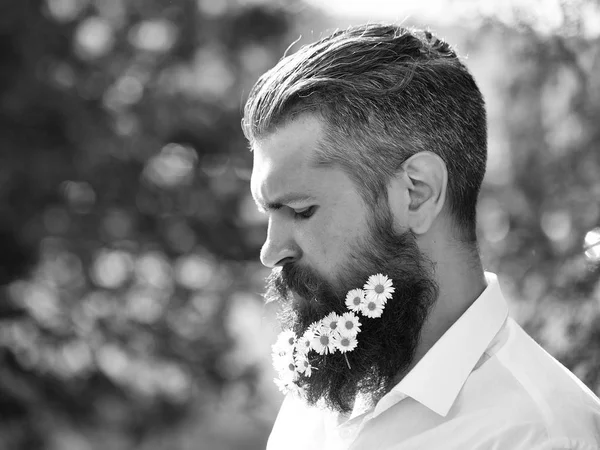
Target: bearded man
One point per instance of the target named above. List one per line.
(369, 152)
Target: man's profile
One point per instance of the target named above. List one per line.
(370, 148)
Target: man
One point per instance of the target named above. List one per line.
(369, 152)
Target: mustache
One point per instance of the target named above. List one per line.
(304, 296)
(293, 278)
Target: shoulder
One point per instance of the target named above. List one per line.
(533, 394)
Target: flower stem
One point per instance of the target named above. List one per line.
(347, 362)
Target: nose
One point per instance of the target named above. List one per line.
(279, 247)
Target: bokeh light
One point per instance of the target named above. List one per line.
(153, 35)
(130, 314)
(111, 268)
(153, 269)
(66, 10)
(173, 166)
(592, 245)
(94, 38)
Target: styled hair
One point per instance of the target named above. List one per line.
(383, 93)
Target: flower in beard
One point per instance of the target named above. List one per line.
(283, 354)
(374, 367)
(345, 343)
(349, 325)
(285, 365)
(280, 351)
(303, 345)
(372, 308)
(315, 327)
(378, 288)
(323, 343)
(287, 386)
(302, 364)
(286, 340)
(354, 299)
(331, 322)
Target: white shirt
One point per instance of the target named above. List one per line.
(485, 384)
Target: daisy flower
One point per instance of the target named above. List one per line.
(303, 365)
(349, 325)
(284, 364)
(283, 346)
(290, 371)
(287, 386)
(323, 343)
(345, 343)
(354, 299)
(277, 350)
(378, 288)
(314, 327)
(372, 308)
(286, 339)
(331, 322)
(303, 343)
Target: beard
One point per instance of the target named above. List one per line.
(386, 345)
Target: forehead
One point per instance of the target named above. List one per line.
(284, 160)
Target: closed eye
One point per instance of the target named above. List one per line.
(304, 213)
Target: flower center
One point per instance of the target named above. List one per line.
(356, 301)
(333, 325)
(291, 367)
(291, 341)
(379, 289)
(372, 306)
(349, 325)
(345, 342)
(324, 340)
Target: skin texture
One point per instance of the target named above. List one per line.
(323, 240)
(282, 166)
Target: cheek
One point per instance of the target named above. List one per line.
(328, 240)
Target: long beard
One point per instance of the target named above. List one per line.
(386, 345)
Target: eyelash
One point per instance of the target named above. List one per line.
(305, 213)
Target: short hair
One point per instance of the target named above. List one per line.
(384, 93)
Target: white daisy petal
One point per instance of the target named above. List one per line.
(378, 288)
(314, 327)
(346, 343)
(372, 309)
(349, 324)
(331, 322)
(284, 363)
(279, 350)
(354, 298)
(323, 343)
(304, 342)
(286, 338)
(287, 386)
(303, 365)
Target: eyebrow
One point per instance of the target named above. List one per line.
(292, 197)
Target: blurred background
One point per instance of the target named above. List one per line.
(130, 307)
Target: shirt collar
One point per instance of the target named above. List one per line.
(439, 376)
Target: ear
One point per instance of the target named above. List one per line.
(426, 178)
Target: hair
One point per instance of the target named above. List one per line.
(384, 93)
(386, 346)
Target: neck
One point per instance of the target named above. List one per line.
(461, 280)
